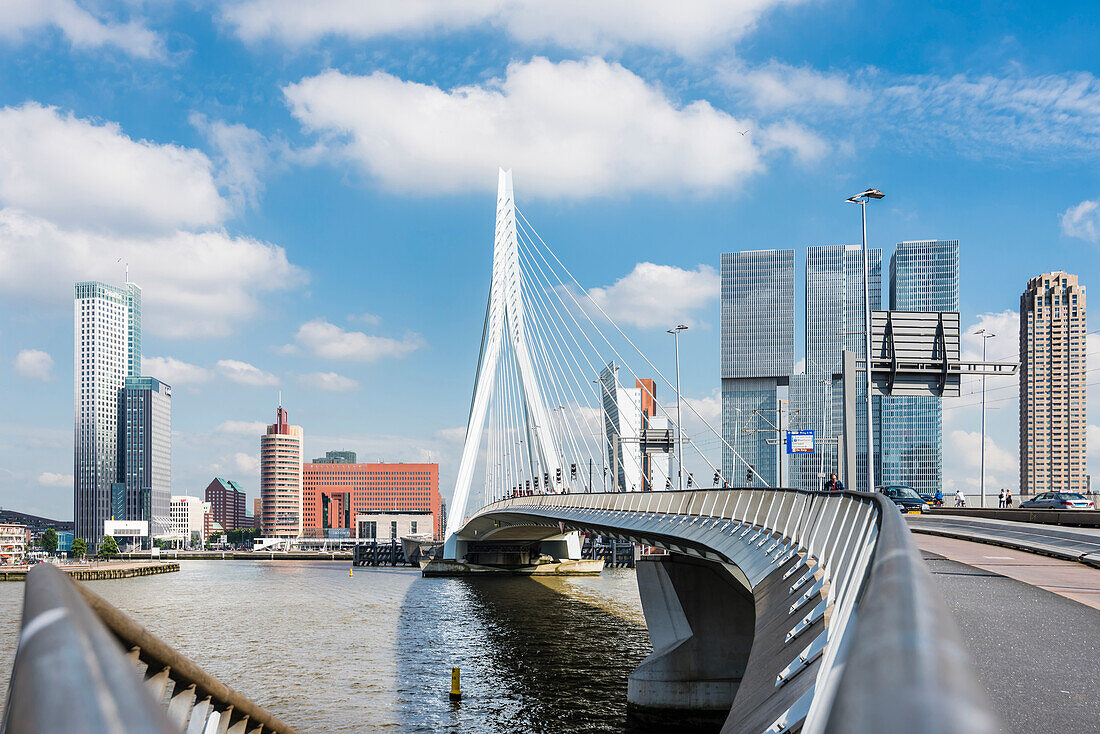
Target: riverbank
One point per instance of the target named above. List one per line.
(98, 571)
(242, 556)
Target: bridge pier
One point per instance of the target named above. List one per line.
(701, 622)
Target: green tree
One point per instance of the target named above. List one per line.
(79, 548)
(108, 547)
(49, 540)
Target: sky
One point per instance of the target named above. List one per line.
(306, 191)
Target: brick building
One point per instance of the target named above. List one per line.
(227, 503)
(333, 494)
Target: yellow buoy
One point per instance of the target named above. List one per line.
(456, 692)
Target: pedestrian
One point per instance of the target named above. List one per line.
(1008, 498)
(1001, 498)
(834, 484)
(960, 498)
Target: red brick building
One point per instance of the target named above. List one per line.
(334, 493)
(227, 504)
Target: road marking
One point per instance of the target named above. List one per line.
(999, 558)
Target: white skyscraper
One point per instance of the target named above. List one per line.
(106, 350)
(627, 411)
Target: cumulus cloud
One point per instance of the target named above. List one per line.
(777, 86)
(243, 154)
(242, 428)
(20, 18)
(688, 27)
(658, 295)
(962, 462)
(79, 172)
(245, 374)
(174, 371)
(51, 479)
(571, 129)
(331, 342)
(34, 364)
(328, 381)
(1082, 221)
(246, 463)
(454, 435)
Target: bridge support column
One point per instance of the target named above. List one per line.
(701, 621)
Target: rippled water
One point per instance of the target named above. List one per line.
(328, 653)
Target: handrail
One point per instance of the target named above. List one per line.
(77, 669)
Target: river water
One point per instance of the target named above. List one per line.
(373, 653)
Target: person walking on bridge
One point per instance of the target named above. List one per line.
(960, 498)
(834, 484)
(1008, 498)
(1001, 498)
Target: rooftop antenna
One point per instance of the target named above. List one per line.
(280, 398)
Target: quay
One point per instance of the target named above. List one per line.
(244, 555)
(99, 571)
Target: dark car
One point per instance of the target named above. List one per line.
(1057, 501)
(905, 498)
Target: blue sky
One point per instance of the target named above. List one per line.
(305, 191)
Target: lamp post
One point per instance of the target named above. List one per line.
(679, 428)
(824, 420)
(862, 200)
(985, 335)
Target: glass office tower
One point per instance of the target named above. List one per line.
(145, 452)
(924, 276)
(757, 361)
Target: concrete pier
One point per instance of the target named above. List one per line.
(100, 571)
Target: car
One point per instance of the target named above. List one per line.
(905, 498)
(1057, 501)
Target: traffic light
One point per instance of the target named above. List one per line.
(748, 476)
(536, 482)
(573, 470)
(717, 478)
(557, 475)
(689, 480)
(668, 483)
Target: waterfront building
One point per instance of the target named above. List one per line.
(257, 512)
(834, 322)
(13, 544)
(334, 494)
(386, 526)
(188, 517)
(757, 361)
(281, 478)
(924, 276)
(1052, 385)
(336, 457)
(106, 350)
(145, 453)
(227, 503)
(627, 411)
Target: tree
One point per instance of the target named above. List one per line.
(49, 540)
(79, 548)
(108, 547)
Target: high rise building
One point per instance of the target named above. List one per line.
(145, 452)
(188, 517)
(334, 493)
(336, 457)
(227, 503)
(627, 411)
(1052, 385)
(281, 478)
(757, 360)
(106, 350)
(834, 322)
(924, 276)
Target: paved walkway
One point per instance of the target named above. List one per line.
(1074, 544)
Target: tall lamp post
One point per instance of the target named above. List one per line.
(679, 428)
(862, 200)
(985, 335)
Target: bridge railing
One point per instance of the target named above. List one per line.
(890, 658)
(83, 665)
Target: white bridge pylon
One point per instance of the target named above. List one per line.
(504, 318)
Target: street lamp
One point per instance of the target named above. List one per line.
(985, 334)
(862, 200)
(679, 429)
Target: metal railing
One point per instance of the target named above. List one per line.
(84, 666)
(887, 657)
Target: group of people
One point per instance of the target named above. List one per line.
(1004, 499)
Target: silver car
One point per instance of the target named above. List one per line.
(1057, 501)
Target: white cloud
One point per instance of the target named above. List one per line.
(246, 463)
(367, 318)
(328, 381)
(331, 342)
(245, 374)
(689, 27)
(452, 435)
(19, 18)
(777, 86)
(1082, 221)
(242, 153)
(242, 428)
(658, 295)
(571, 129)
(78, 172)
(34, 364)
(173, 371)
(50, 479)
(962, 462)
(1004, 346)
(195, 284)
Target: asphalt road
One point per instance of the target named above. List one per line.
(1036, 653)
(1069, 543)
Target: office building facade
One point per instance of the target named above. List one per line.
(626, 412)
(335, 493)
(145, 452)
(757, 361)
(336, 457)
(227, 504)
(1053, 363)
(924, 276)
(188, 518)
(281, 478)
(106, 350)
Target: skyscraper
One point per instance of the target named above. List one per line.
(106, 350)
(1052, 384)
(834, 322)
(924, 276)
(281, 478)
(626, 413)
(757, 360)
(145, 452)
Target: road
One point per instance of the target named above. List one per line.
(1069, 543)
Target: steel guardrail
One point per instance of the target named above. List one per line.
(82, 665)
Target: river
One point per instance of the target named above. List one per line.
(373, 653)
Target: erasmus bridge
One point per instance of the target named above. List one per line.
(771, 609)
